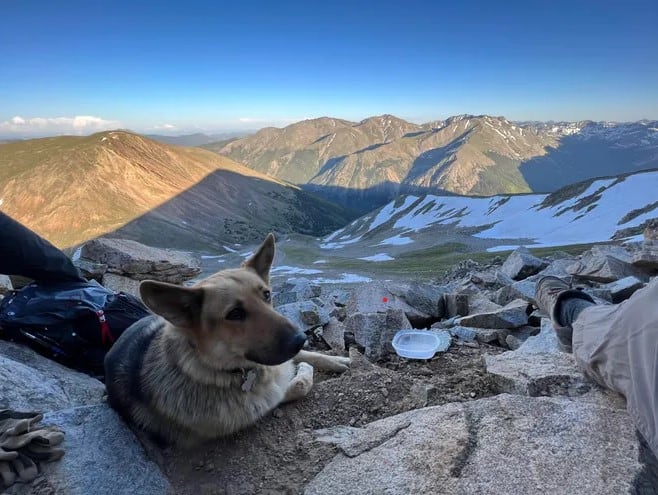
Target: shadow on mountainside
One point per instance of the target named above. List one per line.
(226, 207)
(366, 200)
(430, 158)
(328, 165)
(576, 159)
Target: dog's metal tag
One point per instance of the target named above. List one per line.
(249, 381)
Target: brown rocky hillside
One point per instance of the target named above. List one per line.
(71, 189)
(297, 152)
(451, 154)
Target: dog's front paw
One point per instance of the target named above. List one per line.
(301, 384)
(339, 364)
(304, 372)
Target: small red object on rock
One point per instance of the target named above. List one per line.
(384, 299)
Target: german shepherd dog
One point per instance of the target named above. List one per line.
(214, 358)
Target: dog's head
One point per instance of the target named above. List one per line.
(228, 317)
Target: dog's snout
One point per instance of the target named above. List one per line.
(285, 346)
(289, 347)
(296, 343)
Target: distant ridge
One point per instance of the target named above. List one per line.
(372, 161)
(197, 139)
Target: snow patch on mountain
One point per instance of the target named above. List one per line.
(345, 278)
(339, 244)
(294, 270)
(397, 240)
(594, 215)
(626, 133)
(389, 210)
(378, 257)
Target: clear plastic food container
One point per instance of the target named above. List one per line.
(420, 344)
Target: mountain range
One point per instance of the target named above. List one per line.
(312, 177)
(198, 138)
(71, 189)
(365, 164)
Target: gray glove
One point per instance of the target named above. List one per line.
(24, 443)
(15, 422)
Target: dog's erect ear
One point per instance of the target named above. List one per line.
(180, 306)
(261, 261)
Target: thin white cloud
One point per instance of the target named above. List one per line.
(42, 126)
(166, 127)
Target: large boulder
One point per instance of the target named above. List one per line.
(621, 290)
(333, 333)
(522, 264)
(537, 367)
(90, 269)
(512, 315)
(135, 260)
(490, 278)
(558, 268)
(482, 335)
(523, 289)
(536, 374)
(29, 381)
(338, 297)
(102, 456)
(423, 304)
(295, 290)
(504, 444)
(604, 264)
(516, 338)
(615, 250)
(478, 303)
(119, 283)
(306, 315)
(375, 331)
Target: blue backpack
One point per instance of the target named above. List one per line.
(74, 323)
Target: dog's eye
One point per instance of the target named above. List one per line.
(267, 295)
(236, 314)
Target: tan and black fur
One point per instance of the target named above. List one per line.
(214, 358)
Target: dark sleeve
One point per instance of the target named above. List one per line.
(23, 252)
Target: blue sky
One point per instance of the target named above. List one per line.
(217, 65)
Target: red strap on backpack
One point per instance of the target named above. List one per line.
(106, 335)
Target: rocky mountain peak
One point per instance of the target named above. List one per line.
(370, 162)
